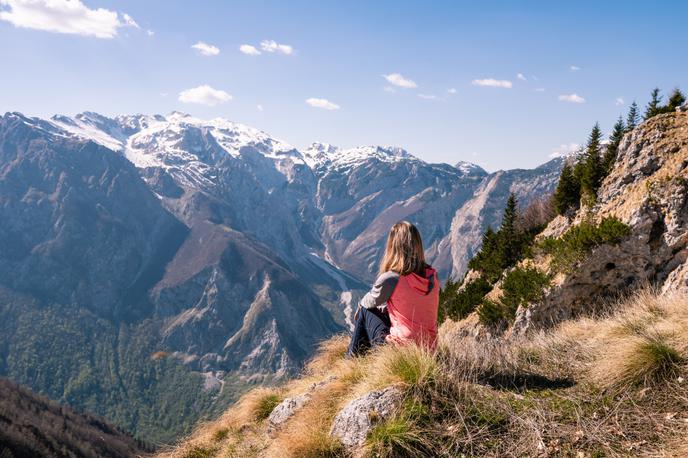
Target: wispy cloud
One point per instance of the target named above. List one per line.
(539, 89)
(206, 49)
(574, 68)
(429, 97)
(451, 91)
(249, 50)
(397, 79)
(150, 33)
(64, 16)
(619, 101)
(491, 82)
(273, 47)
(204, 95)
(571, 98)
(322, 103)
(522, 77)
(389, 89)
(259, 107)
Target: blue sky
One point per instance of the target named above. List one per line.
(137, 57)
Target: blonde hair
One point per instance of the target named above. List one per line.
(404, 250)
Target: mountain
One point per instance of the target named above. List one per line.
(143, 253)
(32, 425)
(579, 349)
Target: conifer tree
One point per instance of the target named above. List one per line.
(567, 194)
(591, 170)
(632, 119)
(613, 146)
(509, 232)
(676, 99)
(653, 107)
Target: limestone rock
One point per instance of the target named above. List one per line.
(647, 189)
(353, 423)
(287, 408)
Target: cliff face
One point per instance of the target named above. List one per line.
(647, 189)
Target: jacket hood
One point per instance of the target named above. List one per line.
(423, 284)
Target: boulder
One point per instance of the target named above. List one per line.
(353, 423)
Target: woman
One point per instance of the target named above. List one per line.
(402, 305)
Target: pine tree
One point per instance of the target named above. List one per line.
(676, 99)
(653, 107)
(591, 173)
(613, 146)
(509, 232)
(567, 194)
(632, 119)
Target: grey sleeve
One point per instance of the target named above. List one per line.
(381, 291)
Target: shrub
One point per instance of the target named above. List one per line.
(491, 313)
(520, 287)
(523, 286)
(460, 304)
(575, 243)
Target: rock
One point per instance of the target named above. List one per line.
(648, 191)
(287, 408)
(353, 423)
(683, 108)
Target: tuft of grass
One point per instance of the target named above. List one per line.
(265, 405)
(221, 434)
(200, 452)
(652, 359)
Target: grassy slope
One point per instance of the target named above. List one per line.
(606, 386)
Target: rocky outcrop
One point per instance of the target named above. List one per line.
(647, 190)
(353, 423)
(287, 408)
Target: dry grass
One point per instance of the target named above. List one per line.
(606, 386)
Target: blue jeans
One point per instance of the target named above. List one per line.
(370, 329)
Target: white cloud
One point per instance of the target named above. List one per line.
(64, 16)
(429, 97)
(565, 150)
(389, 89)
(206, 49)
(322, 103)
(521, 76)
(539, 89)
(249, 50)
(574, 68)
(259, 107)
(150, 33)
(451, 91)
(398, 80)
(490, 82)
(619, 101)
(571, 98)
(273, 46)
(204, 95)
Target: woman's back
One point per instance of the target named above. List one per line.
(413, 308)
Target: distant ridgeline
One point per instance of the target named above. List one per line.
(33, 426)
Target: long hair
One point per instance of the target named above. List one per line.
(404, 250)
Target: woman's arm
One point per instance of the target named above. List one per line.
(381, 291)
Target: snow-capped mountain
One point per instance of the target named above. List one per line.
(229, 250)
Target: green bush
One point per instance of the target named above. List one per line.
(458, 305)
(520, 287)
(575, 244)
